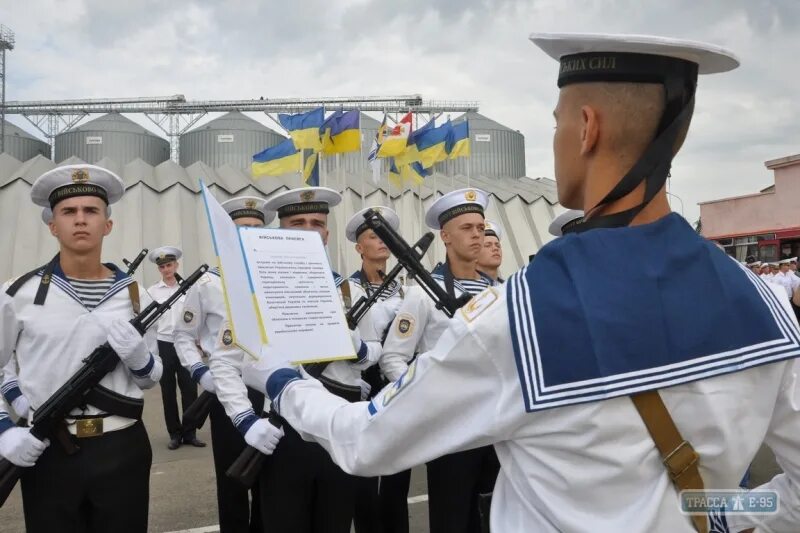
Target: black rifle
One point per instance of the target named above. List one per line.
(133, 265)
(72, 394)
(246, 467)
(406, 256)
(195, 415)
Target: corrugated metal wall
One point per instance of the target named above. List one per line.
(22, 145)
(162, 206)
(231, 139)
(111, 136)
(497, 150)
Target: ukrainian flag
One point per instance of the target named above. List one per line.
(277, 160)
(413, 172)
(458, 141)
(432, 145)
(304, 128)
(341, 133)
(311, 170)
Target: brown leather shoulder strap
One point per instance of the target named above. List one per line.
(346, 298)
(677, 455)
(133, 292)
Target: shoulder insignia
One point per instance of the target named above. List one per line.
(405, 324)
(227, 337)
(479, 303)
(188, 316)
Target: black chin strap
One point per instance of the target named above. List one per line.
(654, 165)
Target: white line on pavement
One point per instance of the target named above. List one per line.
(215, 529)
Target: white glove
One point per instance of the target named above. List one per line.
(366, 388)
(21, 406)
(20, 447)
(207, 382)
(263, 436)
(129, 344)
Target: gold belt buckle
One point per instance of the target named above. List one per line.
(88, 427)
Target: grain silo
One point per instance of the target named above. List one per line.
(113, 136)
(230, 139)
(22, 145)
(497, 150)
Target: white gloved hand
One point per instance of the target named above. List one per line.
(366, 388)
(263, 436)
(129, 344)
(20, 447)
(21, 406)
(207, 382)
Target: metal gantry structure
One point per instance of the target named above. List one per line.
(6, 44)
(174, 115)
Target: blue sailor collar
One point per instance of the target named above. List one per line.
(337, 278)
(59, 279)
(611, 312)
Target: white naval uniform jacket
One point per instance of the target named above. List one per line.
(50, 341)
(611, 467)
(166, 324)
(418, 325)
(198, 321)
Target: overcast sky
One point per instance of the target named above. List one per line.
(449, 50)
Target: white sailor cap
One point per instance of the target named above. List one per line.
(356, 225)
(303, 201)
(564, 221)
(756, 264)
(587, 57)
(248, 206)
(69, 181)
(492, 229)
(455, 203)
(787, 261)
(164, 254)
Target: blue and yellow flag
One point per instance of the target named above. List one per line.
(458, 141)
(311, 170)
(304, 128)
(432, 145)
(413, 172)
(276, 160)
(341, 133)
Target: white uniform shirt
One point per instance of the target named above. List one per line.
(198, 321)
(160, 292)
(50, 341)
(598, 454)
(787, 280)
(418, 325)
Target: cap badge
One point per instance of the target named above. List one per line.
(307, 196)
(470, 196)
(250, 204)
(80, 175)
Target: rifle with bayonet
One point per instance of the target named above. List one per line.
(133, 265)
(50, 416)
(246, 467)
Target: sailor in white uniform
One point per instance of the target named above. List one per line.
(455, 481)
(786, 278)
(630, 360)
(301, 489)
(491, 256)
(197, 330)
(381, 503)
(51, 319)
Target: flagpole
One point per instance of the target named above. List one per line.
(302, 153)
(361, 162)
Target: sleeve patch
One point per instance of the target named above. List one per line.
(405, 323)
(188, 316)
(400, 384)
(479, 304)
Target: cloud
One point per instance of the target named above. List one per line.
(445, 50)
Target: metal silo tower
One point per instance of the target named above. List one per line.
(6, 43)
